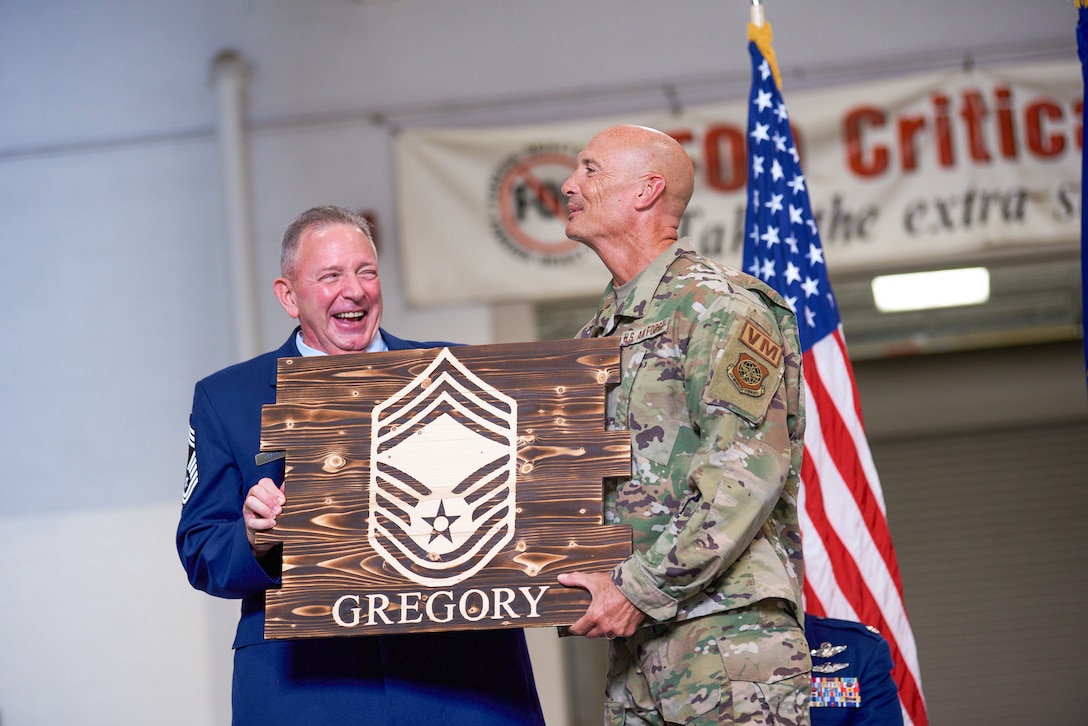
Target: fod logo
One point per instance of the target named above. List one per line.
(527, 208)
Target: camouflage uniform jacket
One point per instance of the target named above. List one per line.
(711, 391)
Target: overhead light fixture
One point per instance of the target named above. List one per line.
(928, 290)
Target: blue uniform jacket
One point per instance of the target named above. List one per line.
(462, 677)
(851, 675)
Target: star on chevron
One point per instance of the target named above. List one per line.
(440, 523)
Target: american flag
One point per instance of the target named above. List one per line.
(850, 566)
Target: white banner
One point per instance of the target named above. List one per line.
(913, 172)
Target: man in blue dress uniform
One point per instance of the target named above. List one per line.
(330, 284)
(851, 675)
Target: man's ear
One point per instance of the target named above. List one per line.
(286, 295)
(651, 189)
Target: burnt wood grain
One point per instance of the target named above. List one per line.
(442, 489)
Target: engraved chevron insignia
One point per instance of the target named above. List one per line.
(443, 474)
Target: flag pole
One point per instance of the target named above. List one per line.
(755, 13)
(759, 32)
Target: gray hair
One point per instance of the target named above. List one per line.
(316, 218)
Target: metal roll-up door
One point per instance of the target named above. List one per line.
(992, 539)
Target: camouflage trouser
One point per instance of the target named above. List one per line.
(746, 666)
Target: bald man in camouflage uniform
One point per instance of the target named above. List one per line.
(705, 617)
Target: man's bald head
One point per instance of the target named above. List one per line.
(650, 151)
(627, 195)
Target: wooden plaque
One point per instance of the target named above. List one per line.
(444, 488)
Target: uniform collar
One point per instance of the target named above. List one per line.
(376, 346)
(647, 281)
(293, 347)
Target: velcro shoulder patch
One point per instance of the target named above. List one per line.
(748, 371)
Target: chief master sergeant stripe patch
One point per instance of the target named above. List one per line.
(191, 476)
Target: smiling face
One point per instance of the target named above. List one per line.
(333, 289)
